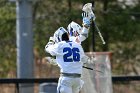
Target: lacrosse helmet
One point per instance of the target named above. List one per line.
(74, 29)
(58, 34)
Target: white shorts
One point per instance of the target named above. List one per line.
(69, 85)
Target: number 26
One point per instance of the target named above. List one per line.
(71, 54)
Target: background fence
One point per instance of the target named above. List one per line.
(121, 84)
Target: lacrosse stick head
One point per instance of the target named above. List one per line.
(87, 7)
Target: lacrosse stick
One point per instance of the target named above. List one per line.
(92, 69)
(88, 8)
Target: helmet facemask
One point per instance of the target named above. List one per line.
(74, 29)
(58, 34)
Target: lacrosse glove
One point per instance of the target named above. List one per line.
(86, 20)
(51, 42)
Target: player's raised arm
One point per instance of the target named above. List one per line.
(87, 20)
(52, 45)
(77, 32)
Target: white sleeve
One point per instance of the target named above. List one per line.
(85, 59)
(82, 54)
(85, 30)
(52, 49)
(84, 34)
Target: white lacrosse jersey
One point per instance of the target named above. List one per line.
(68, 56)
(77, 39)
(81, 37)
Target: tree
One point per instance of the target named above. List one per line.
(7, 38)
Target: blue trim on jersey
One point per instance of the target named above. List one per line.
(68, 41)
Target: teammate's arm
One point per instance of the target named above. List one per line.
(84, 34)
(51, 48)
(87, 20)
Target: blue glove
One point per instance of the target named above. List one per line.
(87, 19)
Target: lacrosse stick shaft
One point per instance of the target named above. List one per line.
(88, 68)
(92, 69)
(97, 29)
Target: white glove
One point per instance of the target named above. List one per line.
(87, 19)
(51, 39)
(51, 42)
(85, 59)
(51, 60)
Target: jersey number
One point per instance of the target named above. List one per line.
(71, 54)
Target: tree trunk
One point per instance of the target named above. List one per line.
(69, 10)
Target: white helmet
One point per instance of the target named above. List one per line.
(58, 34)
(74, 29)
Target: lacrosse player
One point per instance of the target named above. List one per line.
(68, 57)
(76, 32)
